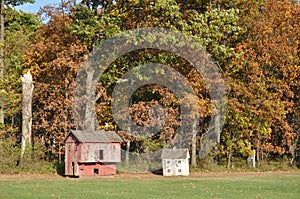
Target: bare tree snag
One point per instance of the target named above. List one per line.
(27, 89)
(2, 53)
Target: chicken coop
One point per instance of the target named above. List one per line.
(175, 162)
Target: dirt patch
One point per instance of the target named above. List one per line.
(29, 176)
(141, 176)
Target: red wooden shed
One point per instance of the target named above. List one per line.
(92, 153)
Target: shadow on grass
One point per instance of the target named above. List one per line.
(158, 172)
(60, 168)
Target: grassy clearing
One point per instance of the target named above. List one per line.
(251, 185)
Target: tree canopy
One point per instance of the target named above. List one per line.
(254, 43)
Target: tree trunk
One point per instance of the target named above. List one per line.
(2, 53)
(89, 121)
(194, 151)
(229, 154)
(194, 146)
(295, 120)
(27, 89)
(258, 151)
(293, 150)
(218, 127)
(127, 152)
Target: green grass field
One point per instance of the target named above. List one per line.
(215, 185)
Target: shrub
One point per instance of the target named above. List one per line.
(33, 160)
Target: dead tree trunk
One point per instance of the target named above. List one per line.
(1, 53)
(27, 89)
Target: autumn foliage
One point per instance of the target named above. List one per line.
(256, 44)
(264, 82)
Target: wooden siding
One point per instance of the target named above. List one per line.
(175, 167)
(71, 156)
(82, 159)
(90, 152)
(90, 169)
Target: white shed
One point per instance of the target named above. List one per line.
(175, 162)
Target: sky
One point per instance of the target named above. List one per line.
(34, 8)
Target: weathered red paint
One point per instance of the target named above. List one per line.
(84, 159)
(88, 169)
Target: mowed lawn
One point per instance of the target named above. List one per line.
(215, 185)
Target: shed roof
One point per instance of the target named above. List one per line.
(95, 136)
(175, 154)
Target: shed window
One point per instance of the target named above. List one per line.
(99, 154)
(179, 170)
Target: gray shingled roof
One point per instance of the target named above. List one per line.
(174, 154)
(96, 136)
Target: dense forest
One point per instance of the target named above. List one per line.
(255, 43)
